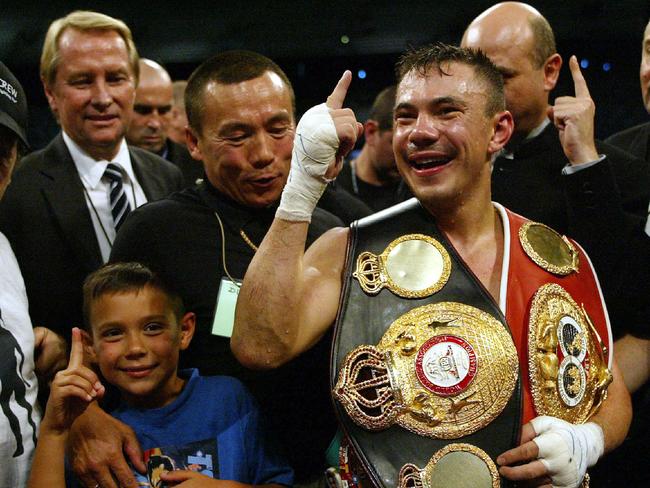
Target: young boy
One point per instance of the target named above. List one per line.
(195, 431)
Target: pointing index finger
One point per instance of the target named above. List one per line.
(76, 350)
(579, 83)
(337, 97)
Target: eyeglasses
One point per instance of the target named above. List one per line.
(148, 109)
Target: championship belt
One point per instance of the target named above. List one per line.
(424, 369)
(567, 357)
(567, 366)
(443, 370)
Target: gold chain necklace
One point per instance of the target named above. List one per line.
(247, 240)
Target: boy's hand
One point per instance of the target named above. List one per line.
(72, 390)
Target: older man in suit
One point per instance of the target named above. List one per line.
(66, 202)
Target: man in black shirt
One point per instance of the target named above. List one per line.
(240, 109)
(373, 176)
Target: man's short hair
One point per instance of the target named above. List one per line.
(83, 20)
(123, 278)
(543, 40)
(226, 68)
(434, 56)
(382, 108)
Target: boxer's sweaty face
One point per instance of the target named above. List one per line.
(246, 139)
(441, 133)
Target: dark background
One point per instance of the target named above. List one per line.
(305, 39)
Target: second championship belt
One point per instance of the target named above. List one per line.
(424, 370)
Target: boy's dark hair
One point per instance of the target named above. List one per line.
(422, 60)
(226, 68)
(126, 277)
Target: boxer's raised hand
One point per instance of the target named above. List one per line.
(347, 127)
(324, 136)
(574, 119)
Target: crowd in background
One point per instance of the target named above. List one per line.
(184, 178)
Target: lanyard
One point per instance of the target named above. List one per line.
(223, 247)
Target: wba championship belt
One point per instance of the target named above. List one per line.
(443, 370)
(424, 369)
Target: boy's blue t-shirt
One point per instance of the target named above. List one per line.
(212, 427)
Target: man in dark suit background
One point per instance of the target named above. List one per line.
(65, 203)
(636, 140)
(556, 172)
(152, 117)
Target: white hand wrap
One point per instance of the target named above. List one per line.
(567, 450)
(314, 150)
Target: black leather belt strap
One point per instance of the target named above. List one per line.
(363, 319)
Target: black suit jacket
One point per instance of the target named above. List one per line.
(635, 140)
(45, 217)
(533, 185)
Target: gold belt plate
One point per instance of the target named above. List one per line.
(548, 249)
(566, 357)
(411, 266)
(442, 370)
(459, 465)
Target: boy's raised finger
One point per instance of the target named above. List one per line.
(76, 350)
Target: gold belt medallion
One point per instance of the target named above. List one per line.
(443, 370)
(548, 249)
(412, 266)
(566, 357)
(457, 465)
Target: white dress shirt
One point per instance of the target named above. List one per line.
(97, 188)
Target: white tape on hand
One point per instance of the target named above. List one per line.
(316, 142)
(314, 150)
(567, 450)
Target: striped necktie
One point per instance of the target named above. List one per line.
(120, 207)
